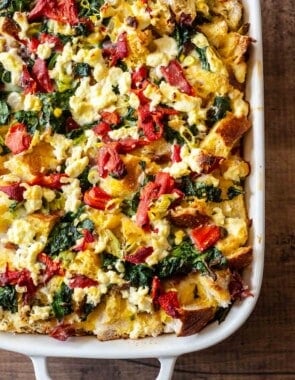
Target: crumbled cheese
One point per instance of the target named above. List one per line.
(44, 50)
(73, 194)
(12, 62)
(39, 313)
(33, 198)
(32, 103)
(159, 241)
(60, 146)
(124, 132)
(75, 164)
(16, 101)
(140, 298)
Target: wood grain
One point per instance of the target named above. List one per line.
(264, 348)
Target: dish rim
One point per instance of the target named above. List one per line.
(170, 345)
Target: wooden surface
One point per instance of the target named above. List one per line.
(264, 348)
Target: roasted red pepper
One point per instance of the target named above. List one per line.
(97, 198)
(62, 332)
(52, 267)
(14, 191)
(140, 255)
(173, 73)
(51, 181)
(41, 74)
(116, 51)
(87, 238)
(169, 303)
(163, 184)
(110, 163)
(112, 118)
(20, 278)
(81, 281)
(176, 153)
(63, 11)
(206, 236)
(28, 83)
(17, 138)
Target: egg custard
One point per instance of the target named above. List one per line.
(121, 175)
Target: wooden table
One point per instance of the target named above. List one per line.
(264, 348)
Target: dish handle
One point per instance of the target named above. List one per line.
(167, 368)
(40, 367)
(41, 371)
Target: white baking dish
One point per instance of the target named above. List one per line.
(168, 347)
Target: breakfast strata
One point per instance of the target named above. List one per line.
(121, 171)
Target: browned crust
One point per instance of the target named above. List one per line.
(193, 321)
(241, 258)
(232, 128)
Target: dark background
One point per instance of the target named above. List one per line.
(264, 348)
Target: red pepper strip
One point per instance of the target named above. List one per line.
(163, 184)
(28, 83)
(52, 267)
(140, 255)
(17, 138)
(81, 281)
(112, 118)
(110, 163)
(102, 129)
(62, 332)
(71, 124)
(51, 181)
(20, 278)
(138, 77)
(176, 153)
(205, 237)
(14, 191)
(173, 73)
(169, 303)
(156, 290)
(44, 37)
(129, 144)
(97, 198)
(40, 72)
(63, 11)
(87, 238)
(116, 51)
(151, 122)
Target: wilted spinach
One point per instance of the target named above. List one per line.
(8, 298)
(62, 301)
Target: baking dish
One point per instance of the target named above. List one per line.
(168, 347)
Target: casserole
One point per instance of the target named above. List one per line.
(167, 348)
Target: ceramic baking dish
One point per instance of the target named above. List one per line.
(168, 347)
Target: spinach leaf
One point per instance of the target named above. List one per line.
(89, 7)
(129, 206)
(172, 136)
(83, 178)
(209, 192)
(8, 7)
(200, 190)
(185, 258)
(86, 309)
(65, 233)
(108, 261)
(64, 38)
(8, 298)
(234, 191)
(49, 103)
(5, 76)
(82, 69)
(182, 34)
(4, 112)
(178, 262)
(62, 301)
(219, 109)
(203, 58)
(30, 119)
(138, 275)
(130, 115)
